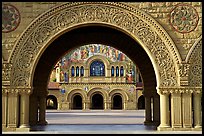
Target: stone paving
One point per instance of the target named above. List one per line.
(97, 122)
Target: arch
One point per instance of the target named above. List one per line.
(51, 102)
(58, 20)
(193, 49)
(97, 57)
(119, 91)
(76, 91)
(99, 90)
(194, 58)
(97, 68)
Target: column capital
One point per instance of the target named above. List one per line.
(180, 89)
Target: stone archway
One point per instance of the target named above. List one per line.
(51, 25)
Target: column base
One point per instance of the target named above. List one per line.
(22, 129)
(198, 128)
(42, 123)
(164, 128)
(146, 122)
(24, 126)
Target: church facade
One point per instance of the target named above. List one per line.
(95, 77)
(163, 39)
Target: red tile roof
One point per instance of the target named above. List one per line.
(53, 85)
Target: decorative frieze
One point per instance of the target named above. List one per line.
(179, 90)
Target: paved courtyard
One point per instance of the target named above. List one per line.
(97, 122)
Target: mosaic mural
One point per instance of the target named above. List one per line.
(83, 53)
(10, 18)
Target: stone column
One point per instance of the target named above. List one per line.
(4, 107)
(42, 110)
(13, 108)
(24, 108)
(156, 109)
(148, 113)
(176, 119)
(164, 112)
(187, 110)
(197, 110)
(33, 112)
(125, 105)
(106, 105)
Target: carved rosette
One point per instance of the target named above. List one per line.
(61, 18)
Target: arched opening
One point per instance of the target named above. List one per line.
(141, 102)
(88, 35)
(77, 102)
(97, 101)
(117, 102)
(51, 102)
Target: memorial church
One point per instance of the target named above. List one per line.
(95, 77)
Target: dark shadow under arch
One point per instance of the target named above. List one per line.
(141, 102)
(77, 102)
(117, 102)
(97, 101)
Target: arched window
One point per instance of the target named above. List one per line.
(117, 71)
(121, 71)
(72, 71)
(97, 68)
(82, 71)
(77, 71)
(112, 71)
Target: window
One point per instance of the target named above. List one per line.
(117, 71)
(112, 71)
(77, 71)
(72, 71)
(121, 71)
(97, 68)
(82, 71)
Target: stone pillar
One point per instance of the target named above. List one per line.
(42, 110)
(84, 105)
(34, 110)
(125, 105)
(107, 105)
(13, 108)
(156, 109)
(197, 110)
(148, 113)
(24, 108)
(4, 107)
(164, 112)
(187, 110)
(176, 119)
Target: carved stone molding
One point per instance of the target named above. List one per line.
(195, 69)
(179, 90)
(6, 71)
(59, 19)
(184, 72)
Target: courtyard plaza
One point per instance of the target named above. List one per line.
(97, 122)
